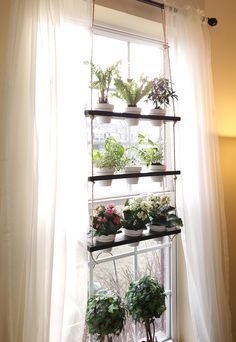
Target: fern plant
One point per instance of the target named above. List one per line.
(103, 79)
(132, 91)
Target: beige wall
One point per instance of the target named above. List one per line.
(223, 39)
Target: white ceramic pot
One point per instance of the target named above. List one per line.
(157, 168)
(156, 228)
(133, 233)
(132, 110)
(103, 172)
(159, 111)
(105, 238)
(104, 107)
(132, 169)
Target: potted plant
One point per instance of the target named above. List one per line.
(135, 216)
(131, 92)
(109, 160)
(161, 94)
(146, 302)
(106, 222)
(152, 155)
(131, 163)
(161, 213)
(105, 315)
(102, 82)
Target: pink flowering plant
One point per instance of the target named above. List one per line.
(135, 213)
(106, 220)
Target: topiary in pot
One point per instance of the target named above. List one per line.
(146, 302)
(105, 315)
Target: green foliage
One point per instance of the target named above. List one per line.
(111, 157)
(146, 302)
(161, 92)
(149, 151)
(161, 212)
(103, 79)
(132, 91)
(135, 213)
(105, 315)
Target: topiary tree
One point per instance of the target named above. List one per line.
(105, 315)
(146, 302)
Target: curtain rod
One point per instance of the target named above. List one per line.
(210, 21)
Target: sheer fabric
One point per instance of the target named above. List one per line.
(44, 212)
(204, 233)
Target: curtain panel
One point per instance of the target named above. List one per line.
(200, 200)
(44, 213)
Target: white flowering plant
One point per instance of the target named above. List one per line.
(135, 213)
(161, 213)
(106, 220)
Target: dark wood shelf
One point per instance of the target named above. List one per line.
(92, 113)
(133, 175)
(122, 239)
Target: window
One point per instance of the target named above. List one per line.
(117, 267)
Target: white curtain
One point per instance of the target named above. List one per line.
(43, 256)
(204, 233)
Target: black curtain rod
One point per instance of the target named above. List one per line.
(211, 21)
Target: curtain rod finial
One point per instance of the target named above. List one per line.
(212, 21)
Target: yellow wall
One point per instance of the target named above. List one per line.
(223, 39)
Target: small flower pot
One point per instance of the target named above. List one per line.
(104, 107)
(158, 111)
(157, 168)
(105, 238)
(104, 172)
(133, 233)
(156, 228)
(132, 110)
(132, 169)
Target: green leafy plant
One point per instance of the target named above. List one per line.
(135, 213)
(106, 220)
(131, 157)
(161, 213)
(103, 79)
(111, 157)
(149, 151)
(105, 315)
(132, 91)
(146, 302)
(161, 92)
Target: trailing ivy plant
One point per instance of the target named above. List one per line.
(111, 157)
(103, 79)
(105, 315)
(146, 302)
(132, 91)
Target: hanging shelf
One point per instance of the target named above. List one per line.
(122, 239)
(93, 113)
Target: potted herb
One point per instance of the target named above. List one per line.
(131, 92)
(102, 82)
(152, 154)
(146, 302)
(109, 160)
(161, 94)
(136, 217)
(161, 213)
(106, 222)
(105, 315)
(131, 163)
